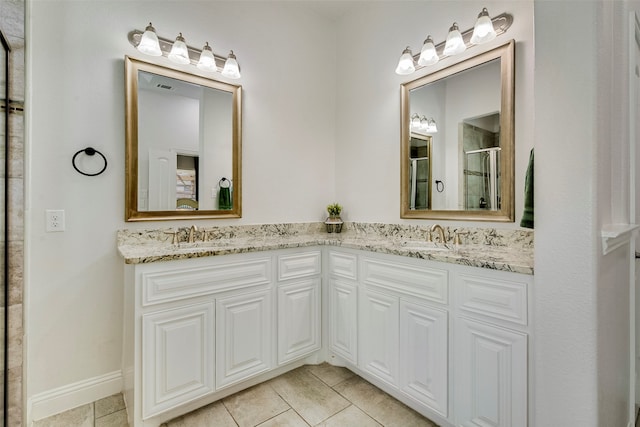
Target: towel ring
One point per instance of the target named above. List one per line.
(223, 180)
(439, 186)
(89, 152)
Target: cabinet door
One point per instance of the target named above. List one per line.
(244, 336)
(423, 355)
(490, 375)
(298, 319)
(343, 320)
(177, 354)
(378, 326)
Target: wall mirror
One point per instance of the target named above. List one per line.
(467, 171)
(183, 145)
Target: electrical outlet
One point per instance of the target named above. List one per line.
(55, 220)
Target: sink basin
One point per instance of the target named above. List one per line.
(417, 245)
(207, 244)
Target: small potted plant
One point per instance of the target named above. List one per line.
(334, 222)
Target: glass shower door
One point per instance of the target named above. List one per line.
(482, 179)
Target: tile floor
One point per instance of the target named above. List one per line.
(107, 412)
(313, 395)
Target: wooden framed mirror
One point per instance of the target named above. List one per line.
(183, 145)
(472, 150)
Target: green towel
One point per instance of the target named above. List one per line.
(224, 198)
(527, 216)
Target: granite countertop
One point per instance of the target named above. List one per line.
(514, 258)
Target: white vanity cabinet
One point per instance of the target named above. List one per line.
(451, 341)
(491, 348)
(403, 327)
(177, 348)
(299, 305)
(199, 329)
(343, 304)
(243, 336)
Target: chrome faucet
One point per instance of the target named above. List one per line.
(438, 227)
(192, 233)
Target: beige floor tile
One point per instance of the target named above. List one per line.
(109, 405)
(329, 374)
(214, 414)
(81, 416)
(114, 419)
(352, 416)
(286, 419)
(312, 399)
(379, 405)
(255, 405)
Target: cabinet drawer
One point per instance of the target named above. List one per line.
(423, 282)
(498, 299)
(177, 284)
(343, 265)
(300, 265)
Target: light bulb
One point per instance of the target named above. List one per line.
(231, 68)
(428, 54)
(149, 44)
(207, 61)
(483, 31)
(179, 53)
(405, 64)
(431, 127)
(454, 44)
(424, 123)
(415, 121)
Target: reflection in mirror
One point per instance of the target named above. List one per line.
(420, 171)
(183, 141)
(471, 152)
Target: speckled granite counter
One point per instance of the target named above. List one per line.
(506, 250)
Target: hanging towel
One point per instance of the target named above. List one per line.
(224, 195)
(224, 198)
(527, 216)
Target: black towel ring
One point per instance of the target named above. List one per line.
(439, 186)
(89, 152)
(223, 180)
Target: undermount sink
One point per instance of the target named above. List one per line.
(207, 244)
(417, 245)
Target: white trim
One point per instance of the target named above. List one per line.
(616, 235)
(71, 396)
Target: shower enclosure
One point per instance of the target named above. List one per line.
(482, 179)
(420, 172)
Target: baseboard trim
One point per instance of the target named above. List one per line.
(71, 396)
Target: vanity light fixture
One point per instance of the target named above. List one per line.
(207, 61)
(431, 126)
(428, 54)
(406, 63)
(179, 53)
(231, 68)
(485, 30)
(149, 43)
(415, 121)
(423, 124)
(454, 44)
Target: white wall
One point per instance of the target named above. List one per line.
(372, 40)
(76, 80)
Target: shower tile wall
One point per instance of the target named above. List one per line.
(12, 25)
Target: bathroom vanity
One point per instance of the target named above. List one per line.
(445, 333)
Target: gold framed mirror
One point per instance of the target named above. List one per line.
(183, 152)
(470, 110)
